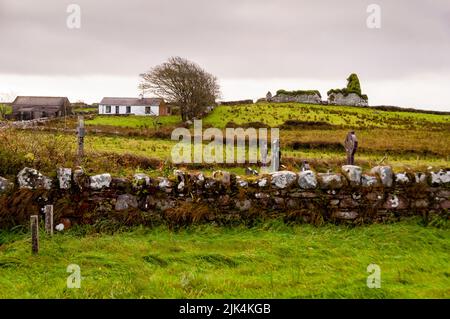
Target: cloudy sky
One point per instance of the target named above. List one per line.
(252, 46)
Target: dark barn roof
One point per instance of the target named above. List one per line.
(40, 100)
(129, 101)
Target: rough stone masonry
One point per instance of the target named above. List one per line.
(186, 197)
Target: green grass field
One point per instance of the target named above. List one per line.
(268, 261)
(275, 114)
(135, 121)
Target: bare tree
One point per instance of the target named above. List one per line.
(183, 83)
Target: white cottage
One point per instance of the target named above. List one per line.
(133, 106)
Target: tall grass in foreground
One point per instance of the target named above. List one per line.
(271, 260)
(120, 155)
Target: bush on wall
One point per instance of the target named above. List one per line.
(353, 86)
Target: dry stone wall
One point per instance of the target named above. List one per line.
(298, 98)
(351, 99)
(350, 196)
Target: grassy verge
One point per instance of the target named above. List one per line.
(268, 261)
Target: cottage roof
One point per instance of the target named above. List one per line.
(39, 101)
(129, 101)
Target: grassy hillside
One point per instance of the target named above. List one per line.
(267, 261)
(275, 114)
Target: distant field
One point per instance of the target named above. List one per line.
(135, 121)
(85, 110)
(395, 142)
(276, 114)
(271, 260)
(156, 148)
(356, 117)
(401, 150)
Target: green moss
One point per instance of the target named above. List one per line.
(353, 86)
(298, 92)
(346, 92)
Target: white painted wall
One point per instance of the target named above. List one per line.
(135, 110)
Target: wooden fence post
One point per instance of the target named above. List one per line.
(48, 209)
(34, 220)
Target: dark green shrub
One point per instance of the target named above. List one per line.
(353, 86)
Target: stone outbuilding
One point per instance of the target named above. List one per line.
(36, 107)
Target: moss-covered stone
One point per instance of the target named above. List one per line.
(299, 92)
(353, 86)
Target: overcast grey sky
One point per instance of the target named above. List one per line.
(252, 46)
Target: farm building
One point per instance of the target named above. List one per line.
(133, 106)
(35, 107)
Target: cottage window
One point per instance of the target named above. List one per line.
(108, 109)
(117, 109)
(128, 109)
(148, 110)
